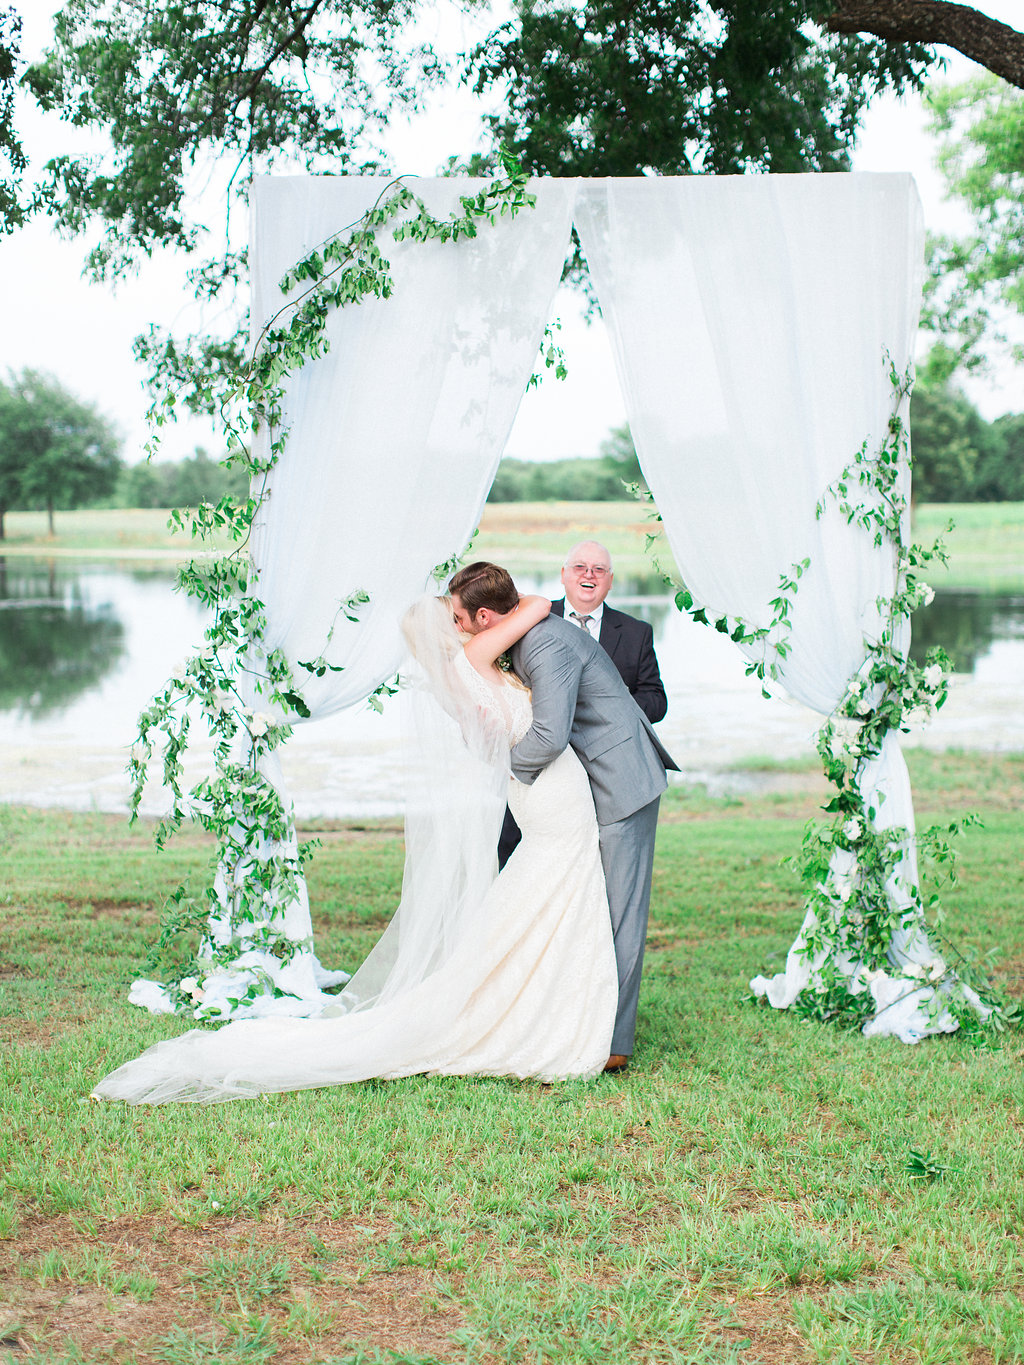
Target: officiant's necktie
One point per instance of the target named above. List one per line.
(583, 622)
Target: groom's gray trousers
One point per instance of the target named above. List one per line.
(627, 856)
(579, 699)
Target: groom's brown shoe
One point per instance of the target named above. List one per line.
(616, 1063)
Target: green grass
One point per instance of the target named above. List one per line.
(987, 548)
(749, 1191)
(109, 533)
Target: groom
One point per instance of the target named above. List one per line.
(579, 699)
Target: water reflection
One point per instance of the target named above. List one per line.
(967, 625)
(84, 646)
(54, 643)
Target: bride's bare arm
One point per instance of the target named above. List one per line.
(490, 644)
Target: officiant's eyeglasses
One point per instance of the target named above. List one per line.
(589, 570)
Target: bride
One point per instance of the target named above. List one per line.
(475, 975)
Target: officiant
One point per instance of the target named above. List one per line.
(587, 579)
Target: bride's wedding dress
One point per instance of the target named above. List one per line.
(522, 983)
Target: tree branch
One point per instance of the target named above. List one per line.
(281, 47)
(992, 44)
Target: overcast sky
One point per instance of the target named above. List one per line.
(83, 333)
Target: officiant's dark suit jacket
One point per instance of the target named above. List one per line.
(629, 643)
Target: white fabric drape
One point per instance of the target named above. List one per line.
(748, 317)
(753, 321)
(395, 435)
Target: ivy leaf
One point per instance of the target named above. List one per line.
(297, 704)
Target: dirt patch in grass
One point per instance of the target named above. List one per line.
(660, 940)
(108, 908)
(30, 1032)
(117, 1294)
(330, 833)
(762, 1328)
(1008, 975)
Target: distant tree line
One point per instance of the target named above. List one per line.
(958, 457)
(57, 452)
(601, 479)
(178, 483)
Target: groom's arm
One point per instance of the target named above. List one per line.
(552, 670)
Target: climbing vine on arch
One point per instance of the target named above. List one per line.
(245, 694)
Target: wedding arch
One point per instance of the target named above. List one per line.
(762, 329)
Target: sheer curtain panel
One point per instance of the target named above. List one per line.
(753, 321)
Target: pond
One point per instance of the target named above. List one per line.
(83, 646)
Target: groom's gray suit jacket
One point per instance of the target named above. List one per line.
(579, 699)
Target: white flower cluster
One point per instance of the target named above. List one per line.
(855, 699)
(189, 985)
(934, 970)
(925, 593)
(258, 723)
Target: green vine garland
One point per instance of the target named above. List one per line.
(243, 691)
(861, 897)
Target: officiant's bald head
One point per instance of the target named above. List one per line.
(587, 575)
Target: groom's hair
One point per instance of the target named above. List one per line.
(485, 585)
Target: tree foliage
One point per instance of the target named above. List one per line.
(958, 455)
(606, 88)
(557, 481)
(12, 157)
(981, 127)
(177, 83)
(618, 450)
(612, 87)
(180, 483)
(55, 450)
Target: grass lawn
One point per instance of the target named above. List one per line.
(746, 1193)
(987, 548)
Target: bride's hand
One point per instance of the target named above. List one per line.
(483, 649)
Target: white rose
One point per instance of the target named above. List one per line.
(852, 829)
(933, 676)
(259, 724)
(879, 974)
(863, 707)
(856, 687)
(191, 987)
(936, 969)
(927, 593)
(855, 917)
(139, 752)
(844, 892)
(915, 970)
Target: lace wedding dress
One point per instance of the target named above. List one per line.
(522, 983)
